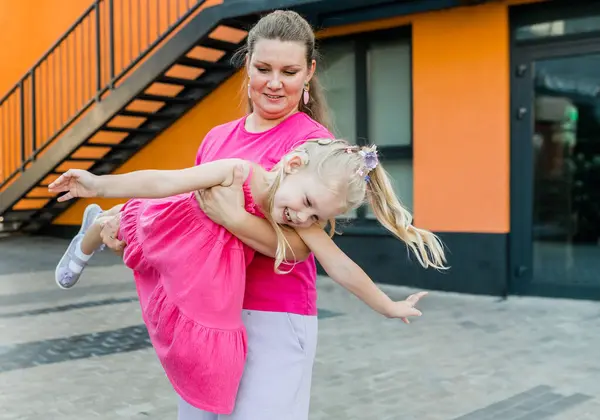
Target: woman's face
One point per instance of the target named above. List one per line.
(277, 72)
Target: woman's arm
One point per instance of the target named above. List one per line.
(225, 206)
(349, 275)
(259, 235)
(147, 183)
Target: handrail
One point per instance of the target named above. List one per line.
(52, 48)
(101, 47)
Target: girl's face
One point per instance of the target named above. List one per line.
(277, 73)
(303, 198)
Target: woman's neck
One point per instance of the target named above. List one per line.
(257, 124)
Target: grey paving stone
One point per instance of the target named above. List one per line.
(37, 253)
(96, 344)
(58, 295)
(466, 353)
(500, 407)
(558, 406)
(70, 307)
(76, 347)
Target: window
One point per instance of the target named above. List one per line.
(368, 83)
(558, 28)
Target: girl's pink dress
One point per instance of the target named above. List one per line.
(190, 277)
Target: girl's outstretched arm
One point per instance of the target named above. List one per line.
(349, 275)
(147, 183)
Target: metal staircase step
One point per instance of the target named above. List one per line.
(105, 160)
(166, 99)
(116, 146)
(80, 159)
(243, 23)
(17, 215)
(186, 82)
(129, 130)
(218, 44)
(140, 114)
(203, 64)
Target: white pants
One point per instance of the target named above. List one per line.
(278, 372)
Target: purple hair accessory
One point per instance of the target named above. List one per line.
(371, 161)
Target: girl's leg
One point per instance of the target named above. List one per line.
(82, 247)
(278, 372)
(187, 412)
(91, 240)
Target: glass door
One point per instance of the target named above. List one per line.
(555, 160)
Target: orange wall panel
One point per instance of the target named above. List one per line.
(176, 147)
(29, 28)
(461, 119)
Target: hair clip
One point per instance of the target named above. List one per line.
(370, 158)
(370, 161)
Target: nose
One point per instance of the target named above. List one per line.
(302, 217)
(275, 82)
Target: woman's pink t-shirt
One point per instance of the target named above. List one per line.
(266, 290)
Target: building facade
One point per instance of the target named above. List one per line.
(485, 113)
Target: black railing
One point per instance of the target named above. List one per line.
(81, 68)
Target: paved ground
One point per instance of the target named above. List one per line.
(84, 354)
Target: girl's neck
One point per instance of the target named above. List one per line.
(259, 185)
(256, 124)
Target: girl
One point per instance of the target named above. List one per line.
(190, 272)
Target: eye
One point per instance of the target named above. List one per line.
(290, 73)
(262, 69)
(307, 202)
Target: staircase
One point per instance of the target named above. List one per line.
(91, 102)
(113, 82)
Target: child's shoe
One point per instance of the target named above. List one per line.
(73, 262)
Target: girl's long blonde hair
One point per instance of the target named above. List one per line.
(390, 212)
(343, 168)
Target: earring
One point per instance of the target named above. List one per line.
(248, 89)
(306, 95)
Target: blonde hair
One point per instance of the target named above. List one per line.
(343, 168)
(289, 26)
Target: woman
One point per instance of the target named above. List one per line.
(286, 107)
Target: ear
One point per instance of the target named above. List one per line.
(294, 162)
(311, 70)
(247, 65)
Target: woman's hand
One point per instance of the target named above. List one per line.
(109, 232)
(224, 205)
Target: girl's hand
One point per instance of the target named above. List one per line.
(406, 308)
(109, 234)
(77, 183)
